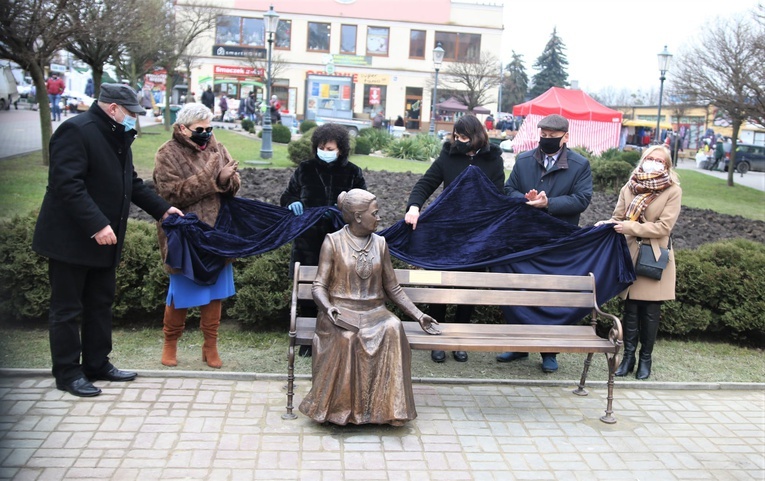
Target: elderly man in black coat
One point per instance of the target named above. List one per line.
(81, 229)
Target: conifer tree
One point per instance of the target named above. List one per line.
(515, 85)
(551, 65)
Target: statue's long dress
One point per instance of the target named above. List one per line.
(360, 377)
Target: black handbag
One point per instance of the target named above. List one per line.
(647, 265)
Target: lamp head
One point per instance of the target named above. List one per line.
(664, 60)
(438, 56)
(271, 19)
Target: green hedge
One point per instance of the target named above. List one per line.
(363, 146)
(720, 286)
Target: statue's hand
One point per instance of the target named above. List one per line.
(333, 312)
(428, 324)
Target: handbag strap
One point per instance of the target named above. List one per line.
(669, 244)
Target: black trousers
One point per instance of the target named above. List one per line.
(86, 293)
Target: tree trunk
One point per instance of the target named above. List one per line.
(98, 75)
(732, 162)
(46, 125)
(168, 93)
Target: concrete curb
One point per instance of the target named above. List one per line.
(248, 376)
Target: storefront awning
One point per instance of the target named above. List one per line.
(645, 123)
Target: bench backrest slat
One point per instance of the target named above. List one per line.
(482, 288)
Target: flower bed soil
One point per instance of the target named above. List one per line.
(694, 227)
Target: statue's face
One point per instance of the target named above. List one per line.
(370, 218)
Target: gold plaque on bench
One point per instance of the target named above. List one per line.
(425, 277)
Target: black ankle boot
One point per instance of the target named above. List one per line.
(630, 330)
(644, 367)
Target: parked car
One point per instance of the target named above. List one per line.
(749, 157)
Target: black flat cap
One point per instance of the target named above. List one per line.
(120, 94)
(554, 122)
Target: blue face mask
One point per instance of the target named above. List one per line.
(327, 156)
(128, 122)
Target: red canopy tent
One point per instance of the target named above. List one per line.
(591, 124)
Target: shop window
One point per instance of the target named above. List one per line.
(227, 30)
(253, 32)
(348, 39)
(459, 47)
(374, 98)
(283, 35)
(377, 40)
(318, 37)
(417, 44)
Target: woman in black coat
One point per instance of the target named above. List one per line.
(316, 183)
(469, 146)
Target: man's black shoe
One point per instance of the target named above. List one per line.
(438, 356)
(79, 387)
(114, 375)
(460, 356)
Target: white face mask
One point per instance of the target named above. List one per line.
(651, 166)
(327, 155)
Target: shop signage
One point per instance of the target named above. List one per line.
(352, 60)
(374, 79)
(238, 71)
(157, 76)
(231, 51)
(336, 74)
(374, 95)
(57, 67)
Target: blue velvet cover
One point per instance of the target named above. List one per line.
(469, 226)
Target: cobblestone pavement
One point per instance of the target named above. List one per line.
(161, 428)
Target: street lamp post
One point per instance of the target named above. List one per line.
(664, 58)
(271, 20)
(438, 57)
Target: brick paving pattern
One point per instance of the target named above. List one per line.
(216, 429)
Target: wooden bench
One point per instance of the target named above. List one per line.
(489, 289)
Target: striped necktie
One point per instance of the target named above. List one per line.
(549, 161)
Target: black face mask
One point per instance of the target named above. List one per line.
(201, 139)
(550, 145)
(461, 147)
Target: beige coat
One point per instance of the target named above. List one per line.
(188, 178)
(660, 218)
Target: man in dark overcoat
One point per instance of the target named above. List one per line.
(81, 230)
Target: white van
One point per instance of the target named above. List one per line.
(8, 91)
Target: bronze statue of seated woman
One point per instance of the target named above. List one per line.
(361, 357)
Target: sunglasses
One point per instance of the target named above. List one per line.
(199, 130)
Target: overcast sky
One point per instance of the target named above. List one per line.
(610, 43)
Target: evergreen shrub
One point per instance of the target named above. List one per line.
(281, 134)
(247, 125)
(301, 149)
(610, 175)
(307, 125)
(363, 146)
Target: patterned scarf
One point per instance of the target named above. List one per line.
(646, 188)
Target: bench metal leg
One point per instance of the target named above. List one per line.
(609, 417)
(290, 378)
(581, 391)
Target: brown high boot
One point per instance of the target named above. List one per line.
(174, 322)
(209, 322)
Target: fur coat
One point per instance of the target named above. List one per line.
(188, 177)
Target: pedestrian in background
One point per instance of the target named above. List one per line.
(557, 180)
(208, 99)
(646, 212)
(469, 146)
(81, 230)
(194, 171)
(315, 183)
(223, 104)
(55, 87)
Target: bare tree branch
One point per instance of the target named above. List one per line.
(725, 68)
(31, 32)
(474, 80)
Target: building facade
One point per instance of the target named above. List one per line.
(345, 58)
